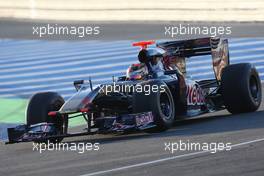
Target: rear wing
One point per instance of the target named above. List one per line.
(216, 47)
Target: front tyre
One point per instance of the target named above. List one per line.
(241, 88)
(38, 108)
(160, 103)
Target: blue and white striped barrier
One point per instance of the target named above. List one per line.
(29, 66)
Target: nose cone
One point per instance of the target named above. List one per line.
(75, 102)
(79, 100)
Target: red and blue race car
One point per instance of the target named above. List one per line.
(152, 95)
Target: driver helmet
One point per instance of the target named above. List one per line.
(155, 58)
(136, 71)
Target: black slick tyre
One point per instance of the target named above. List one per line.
(241, 88)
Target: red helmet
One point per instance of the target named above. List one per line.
(137, 71)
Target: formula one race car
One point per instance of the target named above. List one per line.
(152, 95)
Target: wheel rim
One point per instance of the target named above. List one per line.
(254, 89)
(165, 106)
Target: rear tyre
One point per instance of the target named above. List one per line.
(160, 103)
(38, 108)
(241, 88)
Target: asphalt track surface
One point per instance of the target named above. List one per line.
(144, 154)
(118, 30)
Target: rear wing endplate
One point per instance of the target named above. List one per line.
(214, 46)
